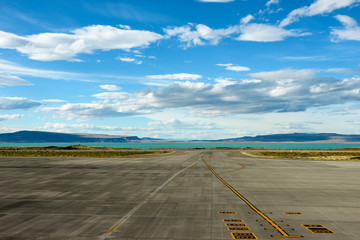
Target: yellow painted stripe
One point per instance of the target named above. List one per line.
(279, 229)
(193, 167)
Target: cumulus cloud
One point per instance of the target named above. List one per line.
(176, 76)
(350, 31)
(9, 103)
(266, 33)
(10, 117)
(232, 67)
(286, 90)
(64, 46)
(199, 35)
(285, 74)
(10, 80)
(110, 87)
(101, 109)
(316, 8)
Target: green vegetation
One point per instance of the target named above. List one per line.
(76, 151)
(307, 155)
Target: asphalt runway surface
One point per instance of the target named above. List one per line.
(202, 194)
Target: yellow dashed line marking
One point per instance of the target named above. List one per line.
(232, 220)
(293, 213)
(238, 229)
(235, 224)
(317, 228)
(244, 236)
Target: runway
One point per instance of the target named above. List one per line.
(198, 194)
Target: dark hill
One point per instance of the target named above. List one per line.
(39, 137)
(299, 137)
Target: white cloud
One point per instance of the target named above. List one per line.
(110, 87)
(175, 124)
(128, 59)
(346, 20)
(82, 128)
(272, 2)
(8, 67)
(266, 33)
(9, 103)
(12, 68)
(316, 8)
(124, 26)
(53, 101)
(10, 80)
(307, 58)
(111, 95)
(63, 46)
(286, 90)
(247, 19)
(101, 109)
(232, 67)
(351, 30)
(216, 1)
(11, 41)
(176, 76)
(285, 74)
(10, 117)
(201, 35)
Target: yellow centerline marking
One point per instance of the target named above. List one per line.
(272, 223)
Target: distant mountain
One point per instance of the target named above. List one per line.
(297, 137)
(40, 137)
(49, 137)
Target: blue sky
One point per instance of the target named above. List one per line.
(190, 69)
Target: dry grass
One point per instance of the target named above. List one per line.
(76, 151)
(303, 155)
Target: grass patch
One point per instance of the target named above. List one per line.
(303, 155)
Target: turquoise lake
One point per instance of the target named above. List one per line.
(195, 145)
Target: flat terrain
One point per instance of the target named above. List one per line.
(177, 196)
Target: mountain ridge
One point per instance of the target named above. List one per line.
(42, 137)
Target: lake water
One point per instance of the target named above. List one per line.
(195, 145)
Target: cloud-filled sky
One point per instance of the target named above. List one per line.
(191, 69)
